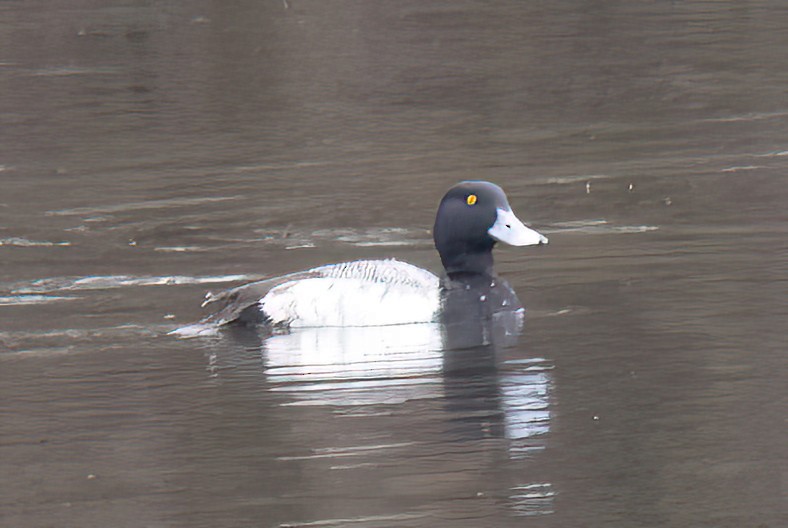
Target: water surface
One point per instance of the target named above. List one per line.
(150, 152)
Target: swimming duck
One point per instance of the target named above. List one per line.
(472, 217)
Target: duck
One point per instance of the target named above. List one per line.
(472, 217)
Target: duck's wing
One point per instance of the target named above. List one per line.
(387, 271)
(242, 302)
(230, 305)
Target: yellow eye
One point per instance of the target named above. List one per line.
(471, 199)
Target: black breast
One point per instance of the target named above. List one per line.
(479, 310)
(465, 297)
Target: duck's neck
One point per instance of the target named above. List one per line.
(468, 263)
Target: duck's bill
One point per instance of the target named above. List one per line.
(510, 230)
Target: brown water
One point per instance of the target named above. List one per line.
(150, 151)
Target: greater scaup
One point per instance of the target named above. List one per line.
(471, 218)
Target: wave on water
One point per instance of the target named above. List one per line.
(598, 226)
(19, 300)
(359, 237)
(120, 281)
(563, 180)
(67, 71)
(136, 206)
(773, 154)
(48, 343)
(752, 116)
(180, 249)
(376, 236)
(739, 168)
(195, 330)
(24, 242)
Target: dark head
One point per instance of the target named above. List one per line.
(472, 217)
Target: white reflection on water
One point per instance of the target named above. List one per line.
(525, 387)
(459, 389)
(357, 365)
(393, 365)
(532, 499)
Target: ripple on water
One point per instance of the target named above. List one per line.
(69, 71)
(105, 282)
(21, 300)
(597, 226)
(359, 237)
(24, 242)
(165, 203)
(50, 343)
(366, 520)
(532, 499)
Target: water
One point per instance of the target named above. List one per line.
(152, 151)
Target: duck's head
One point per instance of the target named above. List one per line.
(472, 217)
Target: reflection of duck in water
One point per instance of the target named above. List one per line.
(471, 218)
(463, 366)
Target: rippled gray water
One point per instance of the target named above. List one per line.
(151, 151)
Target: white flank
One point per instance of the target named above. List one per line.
(360, 293)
